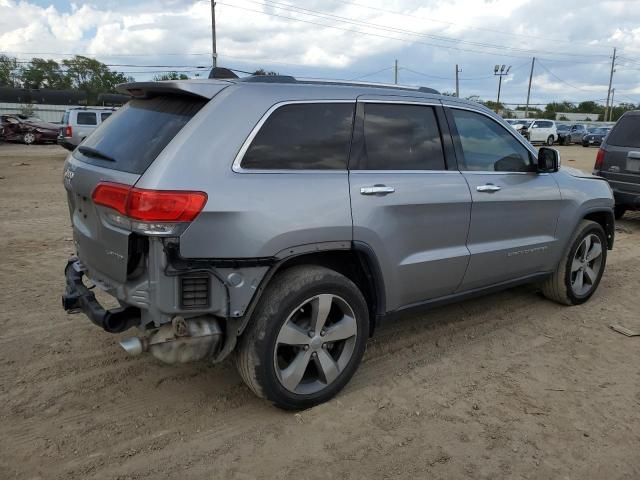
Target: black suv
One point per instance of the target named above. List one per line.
(618, 161)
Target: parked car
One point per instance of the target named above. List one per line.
(595, 136)
(573, 135)
(541, 131)
(618, 161)
(282, 218)
(520, 125)
(29, 130)
(562, 129)
(79, 122)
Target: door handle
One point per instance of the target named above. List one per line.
(488, 188)
(377, 190)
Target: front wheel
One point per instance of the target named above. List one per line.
(580, 270)
(306, 338)
(29, 138)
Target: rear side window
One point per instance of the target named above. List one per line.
(626, 133)
(86, 118)
(302, 137)
(401, 137)
(104, 116)
(138, 132)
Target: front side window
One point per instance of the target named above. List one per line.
(305, 136)
(401, 137)
(87, 118)
(487, 146)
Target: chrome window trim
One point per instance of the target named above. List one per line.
(236, 167)
(426, 103)
(513, 133)
(439, 172)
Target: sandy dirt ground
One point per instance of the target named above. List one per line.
(507, 386)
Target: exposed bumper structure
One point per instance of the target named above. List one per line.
(79, 298)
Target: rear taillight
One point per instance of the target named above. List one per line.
(68, 131)
(150, 205)
(599, 159)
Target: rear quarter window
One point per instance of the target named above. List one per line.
(303, 136)
(139, 131)
(626, 133)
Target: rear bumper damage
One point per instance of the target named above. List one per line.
(79, 298)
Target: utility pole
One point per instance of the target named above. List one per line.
(526, 109)
(395, 73)
(499, 70)
(458, 70)
(613, 65)
(613, 92)
(214, 52)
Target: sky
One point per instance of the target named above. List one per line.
(353, 40)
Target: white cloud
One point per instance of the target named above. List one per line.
(574, 43)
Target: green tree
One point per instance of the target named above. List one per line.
(170, 76)
(41, 73)
(8, 70)
(590, 107)
(262, 71)
(92, 76)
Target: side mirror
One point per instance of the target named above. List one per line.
(548, 160)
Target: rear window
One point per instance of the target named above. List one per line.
(87, 118)
(139, 131)
(626, 133)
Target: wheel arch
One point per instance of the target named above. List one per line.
(357, 261)
(605, 218)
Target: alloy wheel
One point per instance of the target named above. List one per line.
(315, 344)
(586, 265)
(29, 138)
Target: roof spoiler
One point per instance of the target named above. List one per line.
(196, 88)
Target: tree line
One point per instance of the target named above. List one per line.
(83, 73)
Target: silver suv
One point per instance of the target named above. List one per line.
(79, 122)
(280, 219)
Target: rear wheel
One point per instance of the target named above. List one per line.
(580, 270)
(550, 140)
(29, 138)
(306, 339)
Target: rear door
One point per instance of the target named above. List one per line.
(120, 151)
(515, 209)
(407, 206)
(622, 155)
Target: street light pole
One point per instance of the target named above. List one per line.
(500, 71)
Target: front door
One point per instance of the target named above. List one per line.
(515, 209)
(406, 206)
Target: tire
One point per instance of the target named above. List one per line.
(285, 311)
(562, 285)
(29, 138)
(550, 140)
(585, 144)
(619, 211)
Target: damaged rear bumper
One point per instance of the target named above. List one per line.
(79, 298)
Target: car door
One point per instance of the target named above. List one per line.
(407, 207)
(515, 209)
(537, 132)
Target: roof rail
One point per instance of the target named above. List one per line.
(324, 81)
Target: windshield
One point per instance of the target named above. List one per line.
(138, 132)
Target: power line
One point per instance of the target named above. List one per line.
(448, 47)
(370, 74)
(329, 16)
(561, 80)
